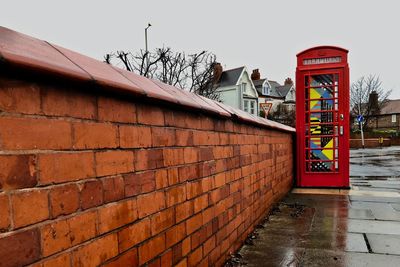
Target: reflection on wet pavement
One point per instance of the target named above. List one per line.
(358, 228)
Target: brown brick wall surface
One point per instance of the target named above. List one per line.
(91, 179)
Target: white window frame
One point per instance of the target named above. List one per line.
(252, 107)
(394, 119)
(244, 88)
(246, 105)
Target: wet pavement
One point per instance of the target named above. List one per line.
(357, 227)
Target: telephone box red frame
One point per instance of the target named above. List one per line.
(322, 123)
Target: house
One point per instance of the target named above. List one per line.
(236, 89)
(386, 118)
(273, 93)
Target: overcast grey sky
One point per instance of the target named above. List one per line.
(258, 34)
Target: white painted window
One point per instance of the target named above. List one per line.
(393, 117)
(265, 89)
(252, 107)
(244, 88)
(246, 105)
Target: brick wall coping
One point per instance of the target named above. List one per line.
(34, 55)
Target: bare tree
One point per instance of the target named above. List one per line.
(283, 114)
(361, 102)
(193, 72)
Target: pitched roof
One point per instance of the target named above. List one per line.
(274, 89)
(284, 89)
(230, 77)
(391, 107)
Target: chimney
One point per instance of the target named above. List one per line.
(217, 72)
(373, 102)
(255, 75)
(288, 81)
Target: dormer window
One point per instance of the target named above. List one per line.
(265, 89)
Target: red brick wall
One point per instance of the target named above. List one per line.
(89, 179)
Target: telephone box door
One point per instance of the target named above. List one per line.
(322, 127)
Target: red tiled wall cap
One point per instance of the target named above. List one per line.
(33, 54)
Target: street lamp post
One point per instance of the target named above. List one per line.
(145, 37)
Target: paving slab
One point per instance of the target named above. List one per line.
(320, 257)
(373, 227)
(386, 244)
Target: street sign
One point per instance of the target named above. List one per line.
(360, 118)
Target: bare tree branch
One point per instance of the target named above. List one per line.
(193, 72)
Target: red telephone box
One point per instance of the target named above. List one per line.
(322, 117)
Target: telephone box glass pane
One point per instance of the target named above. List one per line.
(321, 121)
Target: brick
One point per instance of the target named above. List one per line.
(63, 167)
(96, 252)
(134, 234)
(188, 172)
(191, 154)
(20, 249)
(175, 195)
(209, 245)
(148, 159)
(142, 182)
(150, 249)
(161, 178)
(166, 259)
(200, 203)
(173, 176)
(113, 188)
(194, 223)
(175, 234)
(55, 237)
(82, 227)
(64, 200)
(63, 260)
(206, 153)
(17, 171)
(162, 137)
(154, 263)
(162, 220)
(23, 213)
(111, 109)
(183, 211)
(173, 156)
(147, 114)
(182, 263)
(134, 136)
(184, 137)
(186, 246)
(43, 133)
(94, 135)
(91, 194)
(194, 189)
(4, 212)
(132, 185)
(118, 214)
(19, 96)
(67, 102)
(195, 257)
(114, 162)
(198, 237)
(63, 234)
(130, 258)
(150, 203)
